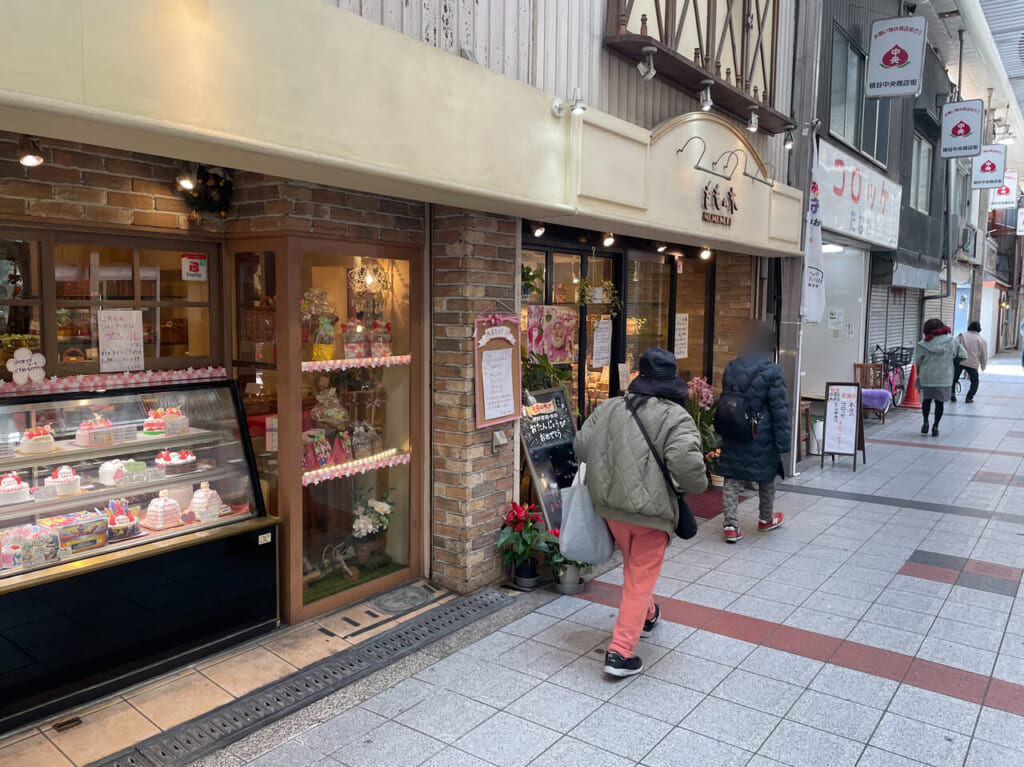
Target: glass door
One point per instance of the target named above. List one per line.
(648, 282)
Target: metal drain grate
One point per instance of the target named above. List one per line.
(223, 726)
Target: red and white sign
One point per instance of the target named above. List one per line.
(856, 199)
(193, 267)
(1005, 196)
(896, 59)
(961, 129)
(989, 167)
(1020, 222)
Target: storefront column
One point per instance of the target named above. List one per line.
(474, 269)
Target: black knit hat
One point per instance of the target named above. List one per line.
(658, 376)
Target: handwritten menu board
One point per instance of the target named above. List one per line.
(120, 340)
(548, 429)
(844, 422)
(497, 360)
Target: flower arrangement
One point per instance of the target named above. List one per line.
(701, 405)
(372, 518)
(554, 558)
(521, 534)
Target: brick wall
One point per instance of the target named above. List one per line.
(474, 263)
(733, 308)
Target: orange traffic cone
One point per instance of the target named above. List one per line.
(911, 399)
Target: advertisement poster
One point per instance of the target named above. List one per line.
(551, 330)
(1005, 197)
(961, 129)
(896, 57)
(989, 167)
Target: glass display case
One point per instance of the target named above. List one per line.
(90, 474)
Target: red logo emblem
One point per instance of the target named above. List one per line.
(1003, 191)
(961, 129)
(988, 167)
(896, 57)
(814, 188)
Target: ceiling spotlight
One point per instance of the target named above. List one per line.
(661, 247)
(706, 101)
(537, 228)
(752, 125)
(608, 239)
(790, 141)
(186, 180)
(705, 254)
(646, 66)
(29, 153)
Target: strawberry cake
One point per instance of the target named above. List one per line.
(167, 421)
(13, 490)
(176, 462)
(65, 481)
(38, 439)
(162, 513)
(95, 432)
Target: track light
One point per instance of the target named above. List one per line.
(646, 66)
(29, 153)
(186, 180)
(752, 125)
(578, 105)
(788, 143)
(706, 101)
(661, 247)
(537, 228)
(705, 254)
(608, 239)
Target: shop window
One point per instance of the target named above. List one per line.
(921, 174)
(961, 192)
(600, 270)
(534, 276)
(647, 307)
(20, 306)
(847, 90)
(876, 129)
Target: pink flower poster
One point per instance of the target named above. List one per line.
(551, 330)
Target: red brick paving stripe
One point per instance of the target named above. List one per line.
(954, 448)
(1005, 572)
(1015, 434)
(992, 477)
(917, 672)
(930, 572)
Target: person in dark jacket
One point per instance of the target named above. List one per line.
(758, 459)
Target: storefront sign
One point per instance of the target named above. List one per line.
(719, 204)
(896, 58)
(856, 199)
(120, 340)
(812, 298)
(497, 362)
(961, 129)
(682, 340)
(193, 267)
(548, 429)
(602, 344)
(989, 167)
(1005, 196)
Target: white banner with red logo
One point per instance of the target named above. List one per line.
(989, 167)
(1020, 222)
(896, 59)
(961, 129)
(1005, 197)
(812, 304)
(856, 199)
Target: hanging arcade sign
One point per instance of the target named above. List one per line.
(896, 58)
(989, 167)
(1020, 222)
(961, 129)
(1005, 197)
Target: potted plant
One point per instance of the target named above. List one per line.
(599, 292)
(701, 405)
(521, 536)
(568, 572)
(372, 519)
(531, 280)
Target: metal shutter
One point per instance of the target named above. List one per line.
(943, 308)
(911, 316)
(896, 321)
(878, 317)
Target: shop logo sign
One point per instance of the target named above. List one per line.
(1005, 197)
(718, 207)
(961, 128)
(988, 167)
(896, 57)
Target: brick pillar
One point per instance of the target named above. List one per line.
(733, 307)
(474, 264)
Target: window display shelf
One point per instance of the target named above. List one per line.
(380, 460)
(321, 366)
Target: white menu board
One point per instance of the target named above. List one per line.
(842, 419)
(682, 344)
(499, 396)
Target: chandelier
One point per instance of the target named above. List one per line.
(369, 279)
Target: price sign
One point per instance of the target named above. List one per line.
(844, 422)
(120, 340)
(193, 267)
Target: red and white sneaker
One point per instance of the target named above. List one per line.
(732, 534)
(776, 521)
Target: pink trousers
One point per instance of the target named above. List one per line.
(643, 551)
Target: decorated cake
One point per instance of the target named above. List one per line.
(155, 424)
(206, 503)
(111, 472)
(167, 421)
(38, 439)
(13, 490)
(95, 432)
(136, 470)
(76, 532)
(180, 462)
(162, 513)
(121, 522)
(65, 481)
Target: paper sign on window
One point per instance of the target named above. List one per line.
(120, 340)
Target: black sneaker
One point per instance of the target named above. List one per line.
(650, 623)
(616, 665)
(953, 399)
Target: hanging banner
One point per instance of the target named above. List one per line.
(1005, 197)
(813, 299)
(1020, 222)
(989, 167)
(961, 129)
(896, 59)
(856, 199)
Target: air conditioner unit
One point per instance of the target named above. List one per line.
(967, 244)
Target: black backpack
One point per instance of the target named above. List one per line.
(734, 419)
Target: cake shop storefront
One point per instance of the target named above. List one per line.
(167, 330)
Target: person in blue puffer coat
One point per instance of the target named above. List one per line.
(758, 459)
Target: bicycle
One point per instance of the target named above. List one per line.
(894, 361)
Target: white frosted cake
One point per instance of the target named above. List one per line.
(65, 481)
(13, 490)
(111, 472)
(38, 439)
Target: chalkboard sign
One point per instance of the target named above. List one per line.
(548, 429)
(844, 423)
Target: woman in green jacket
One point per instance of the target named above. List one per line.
(936, 355)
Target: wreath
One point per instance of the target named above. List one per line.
(212, 192)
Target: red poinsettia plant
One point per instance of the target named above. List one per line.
(556, 560)
(522, 534)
